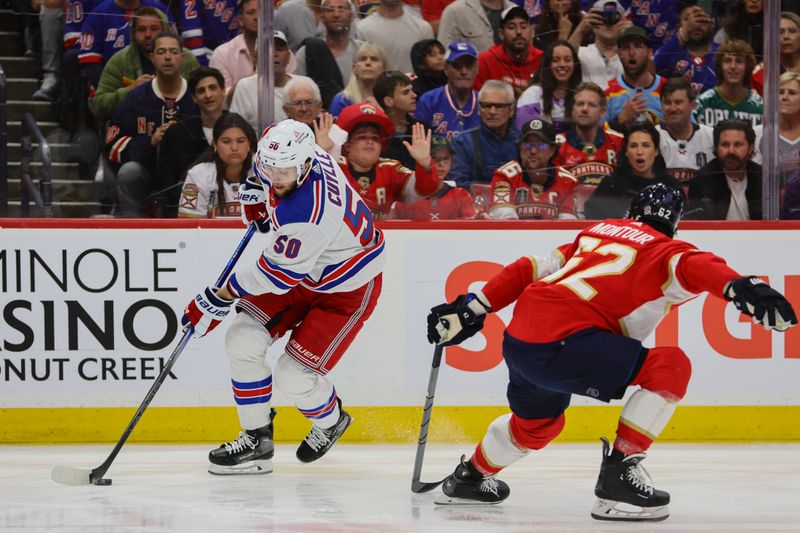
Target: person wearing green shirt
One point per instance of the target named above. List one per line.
(731, 99)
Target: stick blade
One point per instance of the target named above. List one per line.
(70, 476)
(419, 487)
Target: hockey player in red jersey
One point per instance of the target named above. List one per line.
(318, 280)
(381, 182)
(448, 202)
(535, 189)
(573, 333)
(589, 150)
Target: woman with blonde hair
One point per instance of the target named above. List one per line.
(370, 61)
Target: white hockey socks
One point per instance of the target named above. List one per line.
(643, 418)
(497, 450)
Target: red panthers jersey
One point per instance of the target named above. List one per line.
(620, 276)
(513, 197)
(589, 163)
(389, 181)
(446, 204)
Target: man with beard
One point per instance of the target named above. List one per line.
(536, 189)
(515, 59)
(690, 53)
(589, 150)
(452, 108)
(329, 61)
(636, 90)
(729, 187)
(140, 122)
(131, 66)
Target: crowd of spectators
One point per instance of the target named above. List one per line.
(487, 109)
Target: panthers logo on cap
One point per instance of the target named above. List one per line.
(368, 109)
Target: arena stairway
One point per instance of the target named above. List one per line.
(73, 195)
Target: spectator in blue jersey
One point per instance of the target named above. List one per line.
(131, 66)
(452, 108)
(206, 25)
(140, 123)
(659, 18)
(107, 30)
(637, 89)
(479, 151)
(690, 52)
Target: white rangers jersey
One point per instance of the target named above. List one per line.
(685, 158)
(200, 194)
(323, 238)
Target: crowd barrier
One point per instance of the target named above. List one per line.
(91, 309)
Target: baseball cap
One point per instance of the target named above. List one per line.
(633, 32)
(600, 4)
(543, 129)
(357, 114)
(458, 49)
(438, 142)
(512, 12)
(280, 35)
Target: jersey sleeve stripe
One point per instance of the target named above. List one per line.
(90, 57)
(281, 278)
(319, 203)
(188, 34)
(118, 147)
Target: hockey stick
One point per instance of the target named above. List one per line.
(75, 476)
(418, 486)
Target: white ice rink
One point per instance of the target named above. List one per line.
(360, 488)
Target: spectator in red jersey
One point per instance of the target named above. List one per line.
(589, 150)
(514, 59)
(641, 165)
(383, 181)
(534, 189)
(448, 202)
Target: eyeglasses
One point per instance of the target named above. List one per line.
(490, 105)
(302, 103)
(538, 145)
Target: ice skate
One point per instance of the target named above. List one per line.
(250, 453)
(319, 440)
(467, 486)
(625, 491)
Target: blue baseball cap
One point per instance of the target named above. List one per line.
(460, 49)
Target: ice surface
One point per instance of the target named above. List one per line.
(360, 488)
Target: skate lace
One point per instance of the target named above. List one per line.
(317, 438)
(242, 441)
(489, 484)
(639, 478)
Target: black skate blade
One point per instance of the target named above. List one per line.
(444, 499)
(250, 468)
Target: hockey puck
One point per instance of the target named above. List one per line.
(102, 481)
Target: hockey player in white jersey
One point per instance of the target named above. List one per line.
(318, 279)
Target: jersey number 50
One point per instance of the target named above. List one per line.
(356, 215)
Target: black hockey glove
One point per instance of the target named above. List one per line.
(453, 323)
(755, 298)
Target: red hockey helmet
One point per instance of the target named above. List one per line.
(356, 114)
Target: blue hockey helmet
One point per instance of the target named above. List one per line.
(659, 205)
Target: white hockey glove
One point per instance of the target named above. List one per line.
(453, 323)
(756, 299)
(205, 311)
(253, 201)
